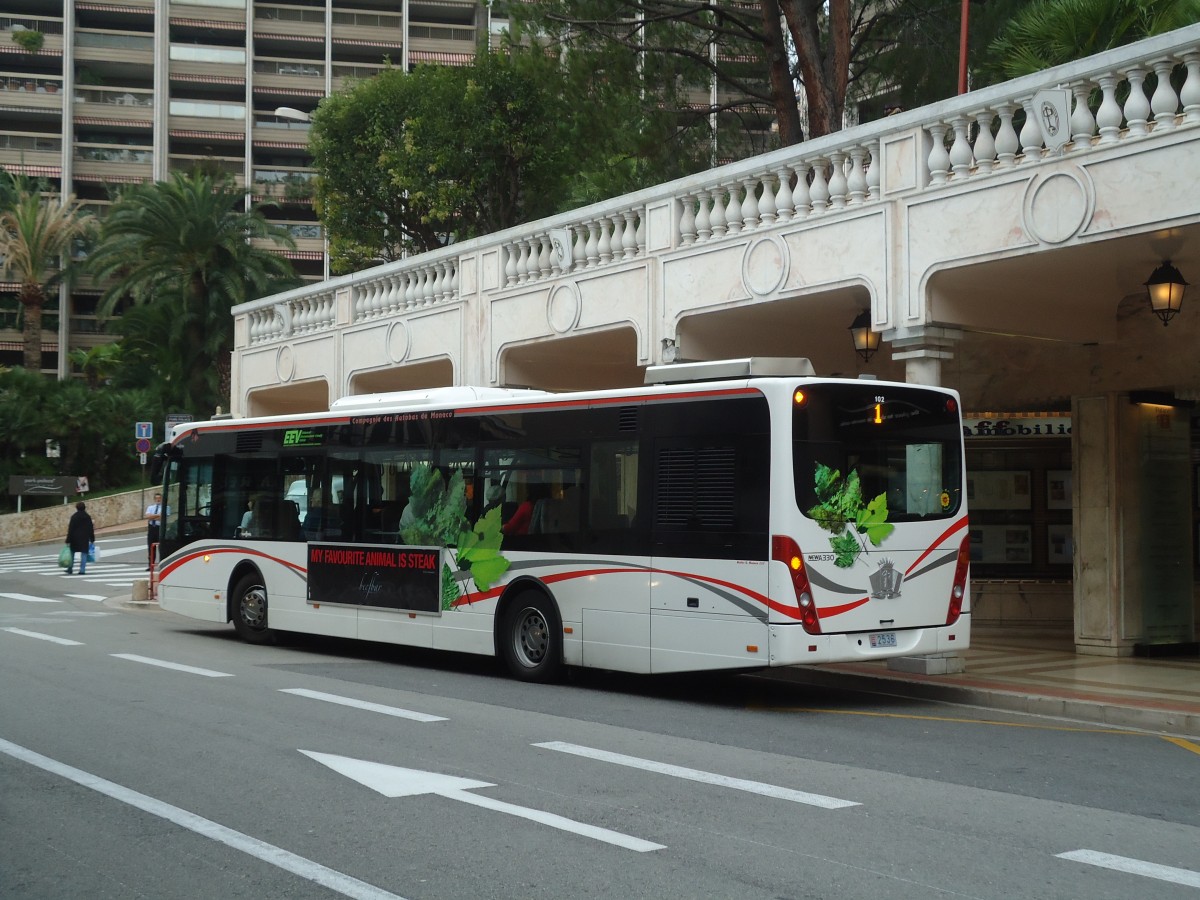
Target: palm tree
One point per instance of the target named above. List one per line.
(1045, 33)
(36, 234)
(185, 245)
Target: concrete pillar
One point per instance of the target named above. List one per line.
(1132, 525)
(922, 349)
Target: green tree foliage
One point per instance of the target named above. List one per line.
(1045, 33)
(186, 247)
(36, 234)
(93, 428)
(407, 160)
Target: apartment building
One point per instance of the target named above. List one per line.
(99, 93)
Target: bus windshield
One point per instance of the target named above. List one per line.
(870, 440)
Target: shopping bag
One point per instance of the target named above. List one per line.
(64, 556)
(93, 553)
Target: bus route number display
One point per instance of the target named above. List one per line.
(380, 575)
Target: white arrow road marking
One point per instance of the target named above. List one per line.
(43, 637)
(396, 781)
(1134, 867)
(163, 664)
(363, 704)
(29, 598)
(99, 598)
(268, 853)
(738, 784)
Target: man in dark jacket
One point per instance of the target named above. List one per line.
(80, 535)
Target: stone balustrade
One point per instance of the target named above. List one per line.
(1144, 92)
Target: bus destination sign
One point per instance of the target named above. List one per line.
(388, 576)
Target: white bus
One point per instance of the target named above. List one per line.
(726, 515)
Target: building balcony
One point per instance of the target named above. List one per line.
(186, 15)
(113, 47)
(201, 116)
(114, 105)
(28, 92)
(290, 83)
(235, 167)
(23, 151)
(289, 22)
(109, 160)
(270, 132)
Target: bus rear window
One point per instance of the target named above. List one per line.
(903, 443)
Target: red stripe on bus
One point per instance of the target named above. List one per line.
(960, 524)
(213, 551)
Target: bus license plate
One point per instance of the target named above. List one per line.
(883, 639)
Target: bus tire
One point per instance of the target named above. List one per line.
(250, 611)
(531, 639)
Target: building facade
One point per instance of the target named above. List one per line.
(121, 91)
(1000, 243)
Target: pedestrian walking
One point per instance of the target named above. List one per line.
(81, 534)
(153, 528)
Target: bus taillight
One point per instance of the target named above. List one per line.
(959, 590)
(787, 551)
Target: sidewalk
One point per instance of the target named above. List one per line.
(1043, 675)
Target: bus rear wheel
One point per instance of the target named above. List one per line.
(250, 611)
(531, 639)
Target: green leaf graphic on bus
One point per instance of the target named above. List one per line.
(436, 515)
(840, 506)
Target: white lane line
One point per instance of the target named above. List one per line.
(738, 784)
(43, 637)
(244, 843)
(163, 664)
(28, 598)
(562, 823)
(363, 704)
(99, 598)
(1134, 867)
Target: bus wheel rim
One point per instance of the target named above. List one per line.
(531, 638)
(254, 608)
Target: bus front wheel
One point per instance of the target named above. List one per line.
(250, 611)
(531, 639)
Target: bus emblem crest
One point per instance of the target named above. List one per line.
(885, 581)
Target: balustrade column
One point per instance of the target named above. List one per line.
(1189, 96)
(1006, 143)
(1164, 102)
(1031, 135)
(818, 191)
(784, 202)
(1083, 125)
(838, 186)
(1108, 116)
(687, 220)
(939, 158)
(1137, 107)
(985, 146)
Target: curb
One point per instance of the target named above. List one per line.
(1113, 712)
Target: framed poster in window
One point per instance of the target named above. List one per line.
(1002, 489)
(1058, 489)
(1001, 544)
(1059, 549)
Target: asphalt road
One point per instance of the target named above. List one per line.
(147, 755)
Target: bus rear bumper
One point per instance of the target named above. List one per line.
(791, 645)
